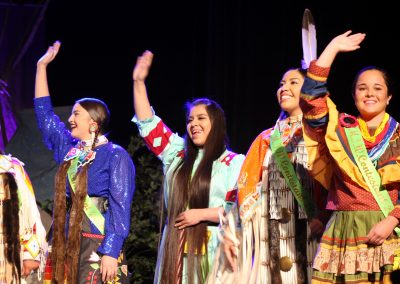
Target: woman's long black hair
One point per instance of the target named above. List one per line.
(193, 192)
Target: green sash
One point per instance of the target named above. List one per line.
(368, 171)
(286, 168)
(90, 209)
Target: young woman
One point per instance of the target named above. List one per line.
(357, 158)
(200, 172)
(96, 177)
(280, 207)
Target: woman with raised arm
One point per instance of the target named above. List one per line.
(94, 183)
(200, 172)
(280, 207)
(357, 158)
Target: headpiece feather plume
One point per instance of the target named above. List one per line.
(309, 39)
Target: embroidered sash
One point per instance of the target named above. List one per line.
(368, 171)
(90, 209)
(287, 170)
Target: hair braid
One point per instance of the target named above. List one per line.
(11, 225)
(59, 217)
(75, 223)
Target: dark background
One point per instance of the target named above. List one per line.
(232, 51)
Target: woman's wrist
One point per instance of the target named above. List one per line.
(393, 221)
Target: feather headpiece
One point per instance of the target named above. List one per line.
(309, 39)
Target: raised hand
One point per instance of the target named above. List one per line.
(41, 86)
(142, 66)
(347, 41)
(50, 54)
(342, 43)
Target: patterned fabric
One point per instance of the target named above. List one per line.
(378, 143)
(89, 268)
(351, 242)
(32, 233)
(274, 227)
(332, 164)
(328, 149)
(252, 171)
(379, 132)
(169, 149)
(111, 175)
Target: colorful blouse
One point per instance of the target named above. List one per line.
(111, 175)
(254, 173)
(331, 161)
(274, 225)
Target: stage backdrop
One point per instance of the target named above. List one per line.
(27, 145)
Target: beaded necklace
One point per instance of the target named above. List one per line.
(83, 151)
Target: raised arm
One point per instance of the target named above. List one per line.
(41, 86)
(314, 92)
(317, 107)
(342, 43)
(140, 100)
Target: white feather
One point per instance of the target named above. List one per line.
(309, 39)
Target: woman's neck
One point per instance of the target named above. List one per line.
(88, 144)
(373, 122)
(295, 112)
